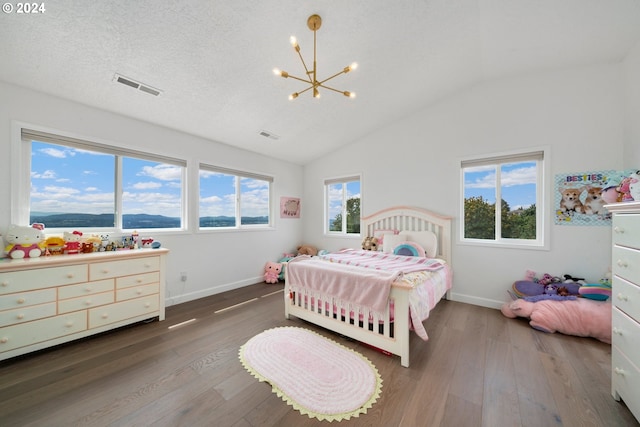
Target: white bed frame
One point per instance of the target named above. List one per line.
(401, 218)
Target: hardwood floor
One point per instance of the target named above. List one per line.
(478, 369)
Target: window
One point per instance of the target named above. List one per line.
(516, 181)
(76, 184)
(230, 198)
(342, 205)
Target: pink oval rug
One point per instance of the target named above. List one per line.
(317, 376)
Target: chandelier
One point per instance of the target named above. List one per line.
(314, 22)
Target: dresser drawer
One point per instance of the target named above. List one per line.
(123, 310)
(25, 299)
(138, 279)
(626, 335)
(88, 288)
(84, 302)
(626, 230)
(27, 314)
(137, 291)
(106, 270)
(626, 296)
(24, 334)
(626, 263)
(626, 380)
(39, 278)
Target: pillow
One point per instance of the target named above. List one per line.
(379, 234)
(409, 249)
(391, 241)
(426, 239)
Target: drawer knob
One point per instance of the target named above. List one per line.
(105, 315)
(618, 230)
(105, 271)
(622, 264)
(4, 340)
(139, 291)
(617, 331)
(619, 371)
(20, 300)
(20, 316)
(70, 275)
(69, 323)
(147, 305)
(88, 289)
(4, 284)
(138, 280)
(87, 302)
(623, 297)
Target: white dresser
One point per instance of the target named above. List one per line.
(625, 363)
(50, 300)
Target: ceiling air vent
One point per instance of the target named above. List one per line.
(136, 85)
(268, 134)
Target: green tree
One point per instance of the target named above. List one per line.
(353, 217)
(479, 219)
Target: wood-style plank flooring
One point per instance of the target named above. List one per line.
(478, 369)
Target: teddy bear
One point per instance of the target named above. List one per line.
(307, 250)
(25, 241)
(580, 317)
(272, 271)
(370, 244)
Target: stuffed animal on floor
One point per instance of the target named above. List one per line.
(307, 250)
(580, 317)
(272, 271)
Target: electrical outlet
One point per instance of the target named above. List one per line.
(183, 276)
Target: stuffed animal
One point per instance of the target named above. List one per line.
(25, 241)
(580, 317)
(72, 242)
(307, 250)
(272, 271)
(370, 244)
(634, 186)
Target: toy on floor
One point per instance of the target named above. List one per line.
(580, 317)
(307, 250)
(272, 271)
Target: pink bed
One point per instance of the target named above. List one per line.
(394, 293)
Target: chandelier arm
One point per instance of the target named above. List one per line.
(303, 91)
(330, 88)
(300, 79)
(329, 78)
(306, 69)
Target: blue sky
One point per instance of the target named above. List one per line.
(335, 197)
(518, 183)
(65, 180)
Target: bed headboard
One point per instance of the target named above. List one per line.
(406, 218)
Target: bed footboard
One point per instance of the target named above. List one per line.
(391, 335)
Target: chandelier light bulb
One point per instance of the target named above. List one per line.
(293, 96)
(353, 65)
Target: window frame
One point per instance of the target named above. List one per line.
(24, 134)
(238, 174)
(541, 156)
(326, 216)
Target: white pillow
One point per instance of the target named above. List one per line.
(391, 241)
(426, 239)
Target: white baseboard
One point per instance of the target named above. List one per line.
(482, 302)
(202, 293)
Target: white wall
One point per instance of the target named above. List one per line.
(632, 93)
(578, 113)
(214, 261)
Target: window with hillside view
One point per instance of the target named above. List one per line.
(342, 202)
(502, 199)
(77, 184)
(230, 198)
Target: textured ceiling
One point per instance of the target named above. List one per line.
(213, 59)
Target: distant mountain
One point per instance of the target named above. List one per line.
(136, 221)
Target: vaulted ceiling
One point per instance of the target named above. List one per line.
(212, 60)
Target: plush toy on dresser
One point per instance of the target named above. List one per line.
(72, 242)
(25, 241)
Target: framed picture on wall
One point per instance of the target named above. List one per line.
(289, 207)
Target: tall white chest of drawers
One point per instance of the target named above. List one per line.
(50, 300)
(625, 351)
